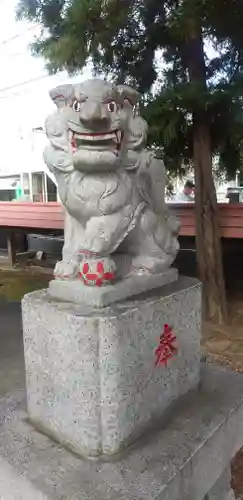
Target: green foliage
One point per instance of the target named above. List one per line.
(123, 38)
(170, 113)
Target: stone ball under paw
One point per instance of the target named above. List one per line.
(97, 272)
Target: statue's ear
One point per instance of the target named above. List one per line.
(63, 95)
(129, 94)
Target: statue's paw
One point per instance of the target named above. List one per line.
(149, 265)
(97, 271)
(66, 270)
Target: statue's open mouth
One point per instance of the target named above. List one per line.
(97, 140)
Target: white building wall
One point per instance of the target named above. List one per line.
(25, 155)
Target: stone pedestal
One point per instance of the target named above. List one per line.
(92, 382)
(188, 459)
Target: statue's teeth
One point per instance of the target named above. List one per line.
(119, 136)
(96, 137)
(74, 143)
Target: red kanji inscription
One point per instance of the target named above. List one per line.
(166, 349)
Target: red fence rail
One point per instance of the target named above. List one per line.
(231, 219)
(50, 216)
(31, 215)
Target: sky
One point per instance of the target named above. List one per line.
(24, 106)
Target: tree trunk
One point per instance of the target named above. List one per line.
(208, 242)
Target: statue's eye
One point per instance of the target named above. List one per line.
(76, 105)
(112, 106)
(128, 104)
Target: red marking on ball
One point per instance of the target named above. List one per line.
(97, 277)
(109, 276)
(100, 267)
(85, 268)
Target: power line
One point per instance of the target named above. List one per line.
(15, 54)
(23, 83)
(31, 80)
(13, 95)
(18, 35)
(16, 94)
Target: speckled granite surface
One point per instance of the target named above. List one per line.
(187, 459)
(75, 291)
(91, 376)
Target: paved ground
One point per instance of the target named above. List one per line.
(224, 344)
(11, 348)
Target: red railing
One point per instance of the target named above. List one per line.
(31, 215)
(50, 216)
(231, 219)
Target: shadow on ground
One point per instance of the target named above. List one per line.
(11, 348)
(13, 285)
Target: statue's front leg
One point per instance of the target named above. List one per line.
(68, 267)
(153, 244)
(158, 176)
(151, 181)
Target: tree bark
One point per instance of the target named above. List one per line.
(208, 241)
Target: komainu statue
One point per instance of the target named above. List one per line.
(112, 188)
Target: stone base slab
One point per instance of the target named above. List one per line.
(92, 379)
(189, 459)
(77, 292)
